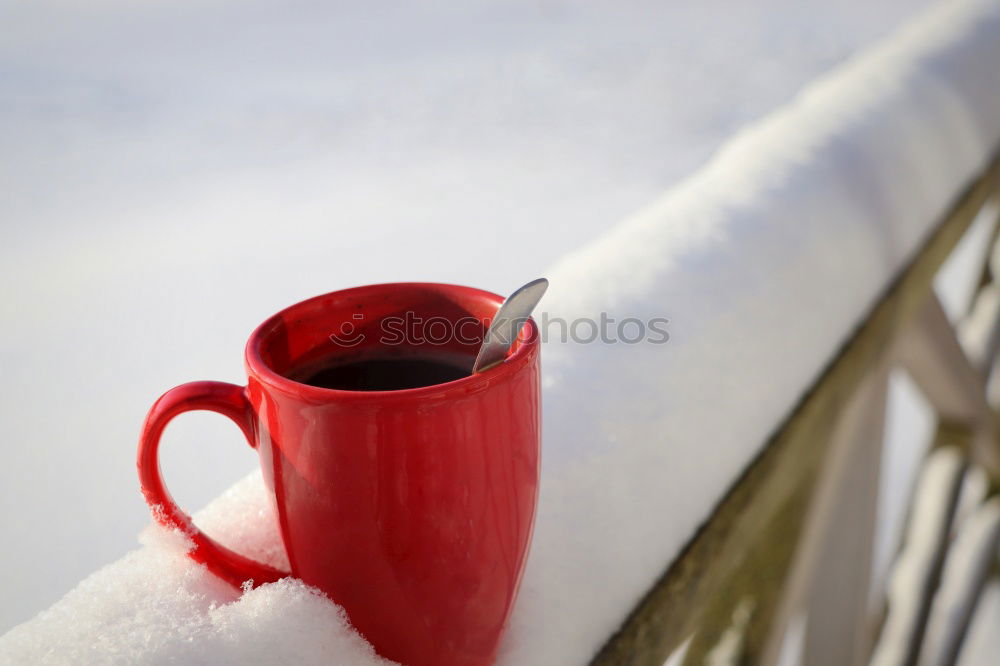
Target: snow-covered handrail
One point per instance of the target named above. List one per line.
(793, 538)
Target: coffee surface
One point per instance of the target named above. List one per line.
(379, 374)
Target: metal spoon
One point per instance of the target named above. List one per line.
(507, 323)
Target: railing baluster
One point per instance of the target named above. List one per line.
(930, 351)
(915, 574)
(838, 632)
(965, 575)
(832, 569)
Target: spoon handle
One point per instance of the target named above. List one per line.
(507, 323)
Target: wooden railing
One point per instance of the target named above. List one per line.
(786, 558)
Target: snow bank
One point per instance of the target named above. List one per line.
(812, 211)
(156, 606)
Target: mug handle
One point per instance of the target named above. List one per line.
(226, 399)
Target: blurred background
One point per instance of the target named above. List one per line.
(173, 173)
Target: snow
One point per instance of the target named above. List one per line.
(177, 172)
(189, 616)
(819, 203)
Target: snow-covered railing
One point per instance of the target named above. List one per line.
(783, 568)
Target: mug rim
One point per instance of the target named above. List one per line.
(258, 369)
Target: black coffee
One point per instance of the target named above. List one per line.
(380, 374)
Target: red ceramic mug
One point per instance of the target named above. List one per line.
(412, 509)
